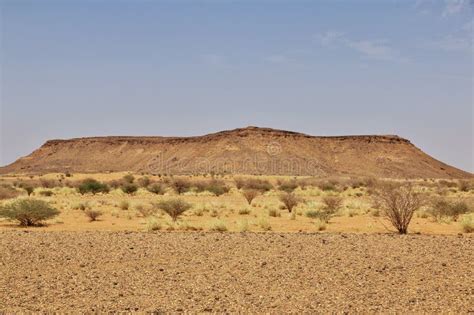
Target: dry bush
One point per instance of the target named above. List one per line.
(181, 185)
(174, 207)
(465, 185)
(250, 195)
(443, 208)
(467, 224)
(333, 203)
(288, 186)
(398, 203)
(143, 182)
(8, 192)
(218, 226)
(28, 212)
(129, 179)
(93, 215)
(215, 186)
(46, 193)
(50, 183)
(244, 211)
(254, 184)
(157, 188)
(145, 211)
(29, 189)
(274, 213)
(152, 224)
(290, 200)
(124, 205)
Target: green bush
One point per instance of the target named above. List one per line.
(28, 212)
(93, 186)
(174, 208)
(129, 188)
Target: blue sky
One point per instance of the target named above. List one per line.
(88, 68)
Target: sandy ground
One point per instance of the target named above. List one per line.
(235, 272)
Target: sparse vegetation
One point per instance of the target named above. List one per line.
(444, 208)
(152, 224)
(28, 212)
(244, 211)
(174, 207)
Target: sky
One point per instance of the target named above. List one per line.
(180, 68)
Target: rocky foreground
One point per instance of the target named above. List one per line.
(251, 273)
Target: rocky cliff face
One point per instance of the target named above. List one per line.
(248, 150)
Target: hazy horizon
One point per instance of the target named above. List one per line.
(162, 68)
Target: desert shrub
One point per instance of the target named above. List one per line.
(289, 200)
(152, 224)
(320, 225)
(312, 214)
(93, 215)
(218, 226)
(250, 195)
(217, 187)
(93, 186)
(144, 181)
(174, 207)
(447, 183)
(157, 188)
(46, 193)
(288, 186)
(28, 212)
(124, 205)
(443, 208)
(198, 212)
(398, 204)
(214, 213)
(8, 192)
(129, 178)
(327, 186)
(467, 224)
(465, 185)
(49, 183)
(274, 213)
(29, 189)
(254, 184)
(264, 225)
(244, 211)
(332, 202)
(144, 211)
(129, 188)
(243, 226)
(81, 206)
(459, 208)
(181, 185)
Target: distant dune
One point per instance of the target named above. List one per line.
(250, 150)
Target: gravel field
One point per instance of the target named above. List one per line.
(173, 272)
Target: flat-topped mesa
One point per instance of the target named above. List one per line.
(239, 132)
(249, 150)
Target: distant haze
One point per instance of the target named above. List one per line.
(181, 68)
